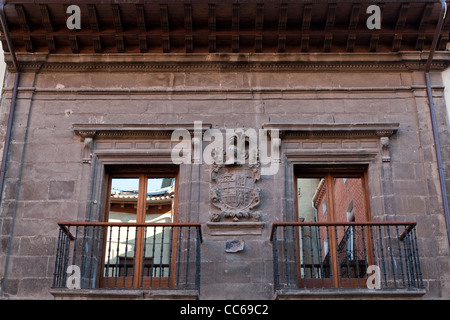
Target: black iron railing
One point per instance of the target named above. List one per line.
(128, 255)
(345, 255)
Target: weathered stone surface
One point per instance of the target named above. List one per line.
(60, 190)
(234, 246)
(56, 185)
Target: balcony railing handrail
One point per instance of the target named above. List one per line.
(64, 224)
(89, 245)
(408, 224)
(340, 254)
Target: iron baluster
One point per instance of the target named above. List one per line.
(178, 271)
(161, 249)
(356, 254)
(276, 273)
(393, 266)
(187, 256)
(400, 257)
(380, 235)
(170, 254)
(143, 258)
(319, 248)
(198, 259)
(55, 272)
(339, 275)
(416, 254)
(116, 267)
(303, 257)
(153, 257)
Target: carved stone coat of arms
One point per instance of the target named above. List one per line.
(235, 193)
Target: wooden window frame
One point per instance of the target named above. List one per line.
(143, 173)
(330, 173)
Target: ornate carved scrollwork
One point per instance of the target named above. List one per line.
(235, 193)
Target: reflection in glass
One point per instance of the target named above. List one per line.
(121, 242)
(127, 245)
(159, 209)
(345, 202)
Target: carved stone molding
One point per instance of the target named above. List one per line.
(369, 139)
(132, 131)
(138, 140)
(385, 154)
(235, 193)
(242, 228)
(401, 61)
(334, 130)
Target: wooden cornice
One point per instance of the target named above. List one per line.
(201, 26)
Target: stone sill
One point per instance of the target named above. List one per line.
(125, 294)
(349, 294)
(235, 228)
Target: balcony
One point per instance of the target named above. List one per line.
(133, 260)
(346, 260)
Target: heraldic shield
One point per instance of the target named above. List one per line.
(236, 193)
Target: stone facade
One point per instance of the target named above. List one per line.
(348, 109)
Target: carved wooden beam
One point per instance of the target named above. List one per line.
(212, 27)
(164, 18)
(424, 22)
(140, 19)
(306, 23)
(188, 38)
(259, 27)
(116, 18)
(45, 16)
(354, 19)
(374, 42)
(235, 28)
(23, 21)
(74, 43)
(329, 24)
(93, 22)
(401, 21)
(444, 39)
(117, 21)
(282, 23)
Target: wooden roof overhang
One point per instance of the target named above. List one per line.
(225, 26)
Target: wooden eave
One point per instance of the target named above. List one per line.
(200, 26)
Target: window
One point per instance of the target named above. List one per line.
(332, 196)
(332, 203)
(138, 247)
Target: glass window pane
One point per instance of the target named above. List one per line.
(124, 197)
(159, 209)
(349, 200)
(159, 202)
(312, 199)
(121, 241)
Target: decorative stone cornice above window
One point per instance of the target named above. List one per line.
(319, 142)
(337, 130)
(109, 137)
(126, 131)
